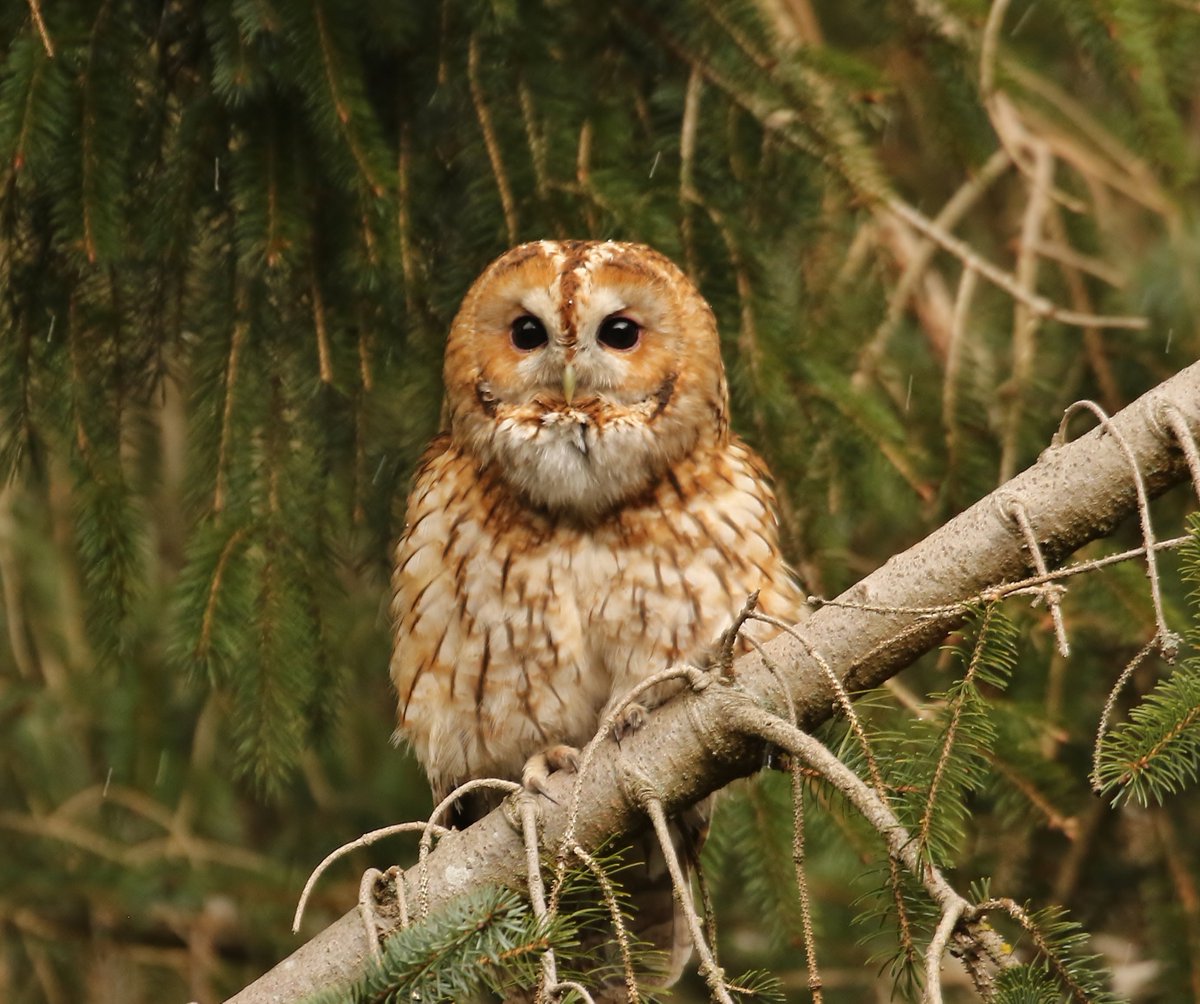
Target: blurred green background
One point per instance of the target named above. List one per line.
(232, 237)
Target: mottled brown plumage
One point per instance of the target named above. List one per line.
(588, 518)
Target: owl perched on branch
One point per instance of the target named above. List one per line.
(586, 520)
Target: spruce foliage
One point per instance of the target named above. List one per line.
(232, 237)
(484, 940)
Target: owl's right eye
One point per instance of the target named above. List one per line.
(528, 333)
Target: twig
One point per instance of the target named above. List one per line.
(1174, 420)
(374, 836)
(958, 327)
(709, 969)
(842, 696)
(1015, 508)
(948, 217)
(35, 10)
(324, 360)
(1168, 641)
(618, 921)
(697, 678)
(1001, 590)
(571, 985)
(903, 848)
(366, 906)
(1025, 320)
(1041, 306)
(430, 826)
(806, 924)
(492, 145)
(951, 914)
(847, 706)
(533, 872)
(1111, 704)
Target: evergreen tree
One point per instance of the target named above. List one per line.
(232, 236)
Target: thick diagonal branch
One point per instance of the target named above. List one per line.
(1074, 493)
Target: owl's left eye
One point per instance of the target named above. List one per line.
(619, 332)
(528, 333)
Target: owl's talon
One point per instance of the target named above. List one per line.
(629, 721)
(540, 766)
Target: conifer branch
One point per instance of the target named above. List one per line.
(1076, 492)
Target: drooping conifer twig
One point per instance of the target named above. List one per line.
(1168, 641)
(846, 705)
(1050, 593)
(901, 845)
(527, 807)
(642, 793)
(1075, 492)
(1110, 706)
(609, 895)
(494, 783)
(806, 915)
(1176, 422)
(587, 757)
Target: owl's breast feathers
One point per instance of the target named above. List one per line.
(515, 627)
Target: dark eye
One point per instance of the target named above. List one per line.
(618, 332)
(528, 333)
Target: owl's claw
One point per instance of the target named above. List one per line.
(632, 718)
(540, 766)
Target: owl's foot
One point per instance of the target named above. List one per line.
(540, 766)
(631, 718)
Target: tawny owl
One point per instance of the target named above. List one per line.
(586, 520)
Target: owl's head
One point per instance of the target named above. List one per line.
(582, 370)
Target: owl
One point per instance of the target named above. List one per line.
(586, 519)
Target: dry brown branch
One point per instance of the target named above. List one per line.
(1076, 492)
(947, 218)
(1040, 306)
(35, 11)
(507, 202)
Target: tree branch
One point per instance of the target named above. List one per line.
(1075, 493)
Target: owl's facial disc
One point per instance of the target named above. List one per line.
(582, 371)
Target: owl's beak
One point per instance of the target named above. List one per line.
(568, 382)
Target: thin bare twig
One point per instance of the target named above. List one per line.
(35, 10)
(1168, 641)
(1025, 320)
(490, 142)
(709, 969)
(1015, 508)
(847, 706)
(1041, 306)
(948, 217)
(533, 872)
(698, 680)
(430, 827)
(1174, 420)
(374, 836)
(958, 327)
